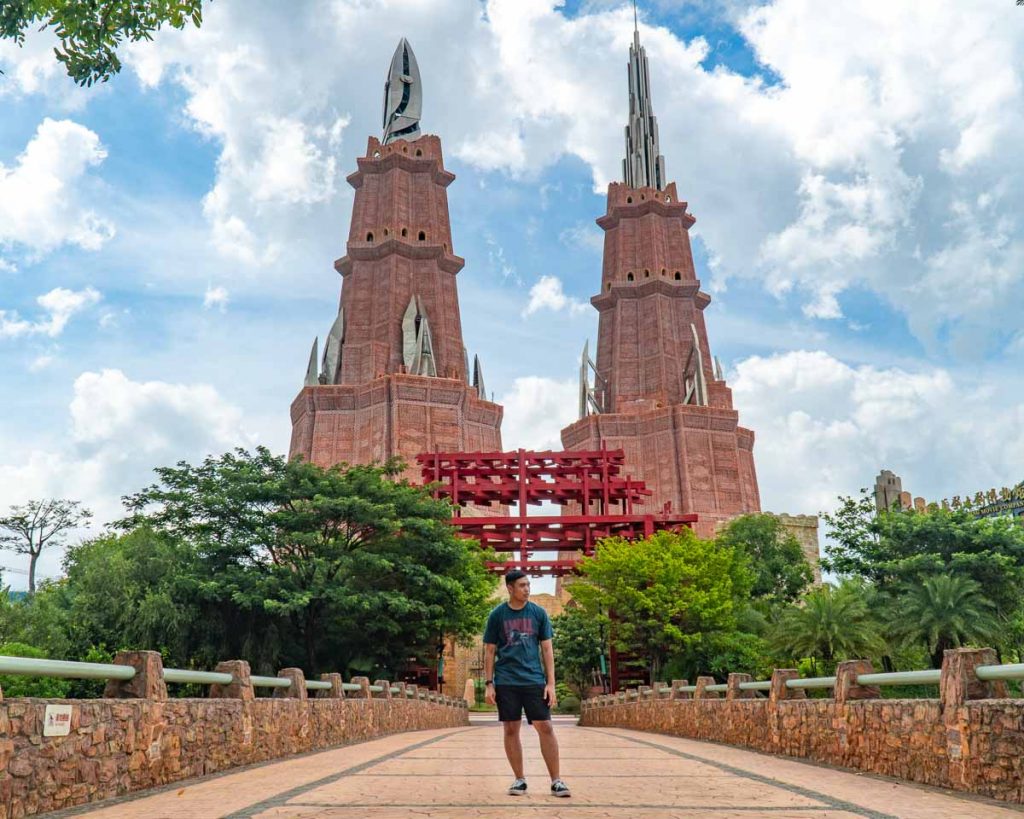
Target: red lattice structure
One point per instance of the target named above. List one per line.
(591, 482)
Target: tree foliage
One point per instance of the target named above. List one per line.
(39, 525)
(946, 611)
(780, 572)
(578, 643)
(343, 566)
(90, 31)
(664, 593)
(830, 624)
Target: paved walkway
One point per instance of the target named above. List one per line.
(462, 772)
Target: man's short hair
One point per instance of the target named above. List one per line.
(512, 576)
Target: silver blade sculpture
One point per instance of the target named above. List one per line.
(331, 364)
(403, 96)
(311, 379)
(417, 344)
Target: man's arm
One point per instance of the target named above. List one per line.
(547, 654)
(489, 649)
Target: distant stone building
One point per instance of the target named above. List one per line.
(805, 529)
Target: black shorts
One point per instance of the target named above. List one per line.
(514, 699)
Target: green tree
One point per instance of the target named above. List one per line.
(90, 31)
(578, 646)
(663, 593)
(780, 570)
(39, 525)
(946, 611)
(829, 624)
(354, 565)
(893, 549)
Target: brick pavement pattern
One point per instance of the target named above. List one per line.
(462, 772)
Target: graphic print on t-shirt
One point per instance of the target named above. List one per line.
(518, 630)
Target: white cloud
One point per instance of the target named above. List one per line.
(31, 69)
(41, 195)
(536, 410)
(216, 297)
(60, 304)
(547, 294)
(826, 428)
(120, 430)
(583, 236)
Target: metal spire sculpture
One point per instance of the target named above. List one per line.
(403, 96)
(644, 166)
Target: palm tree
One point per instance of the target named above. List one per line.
(829, 624)
(946, 611)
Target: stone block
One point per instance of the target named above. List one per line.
(702, 693)
(148, 682)
(846, 682)
(958, 682)
(385, 686)
(779, 691)
(297, 688)
(401, 691)
(676, 693)
(241, 686)
(364, 688)
(735, 692)
(336, 692)
(412, 692)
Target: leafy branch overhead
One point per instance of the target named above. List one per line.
(90, 31)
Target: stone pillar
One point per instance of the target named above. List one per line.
(676, 693)
(646, 692)
(413, 693)
(702, 693)
(846, 682)
(336, 692)
(385, 694)
(148, 682)
(958, 682)
(364, 688)
(632, 695)
(297, 689)
(401, 691)
(779, 691)
(735, 692)
(241, 686)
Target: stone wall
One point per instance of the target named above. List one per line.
(117, 746)
(961, 741)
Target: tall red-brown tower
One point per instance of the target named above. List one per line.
(394, 378)
(655, 391)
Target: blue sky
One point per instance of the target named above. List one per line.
(167, 239)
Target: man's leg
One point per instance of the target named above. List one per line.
(514, 748)
(548, 746)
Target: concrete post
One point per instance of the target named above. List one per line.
(148, 682)
(734, 691)
(646, 692)
(401, 691)
(364, 688)
(386, 693)
(632, 695)
(676, 693)
(297, 689)
(413, 692)
(241, 687)
(779, 691)
(702, 693)
(846, 682)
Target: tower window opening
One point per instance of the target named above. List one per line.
(678, 276)
(423, 236)
(376, 154)
(629, 200)
(643, 196)
(629, 277)
(405, 150)
(647, 274)
(369, 237)
(405, 231)
(419, 152)
(609, 286)
(663, 271)
(385, 231)
(668, 198)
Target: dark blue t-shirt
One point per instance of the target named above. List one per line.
(517, 635)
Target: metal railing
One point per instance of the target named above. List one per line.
(66, 669)
(931, 676)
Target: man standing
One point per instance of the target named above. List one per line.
(519, 632)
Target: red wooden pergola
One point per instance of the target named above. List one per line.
(493, 491)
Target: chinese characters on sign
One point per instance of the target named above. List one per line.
(57, 721)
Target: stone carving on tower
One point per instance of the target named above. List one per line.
(394, 379)
(655, 390)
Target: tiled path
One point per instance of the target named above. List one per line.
(462, 772)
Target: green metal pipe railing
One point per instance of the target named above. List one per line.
(32, 667)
